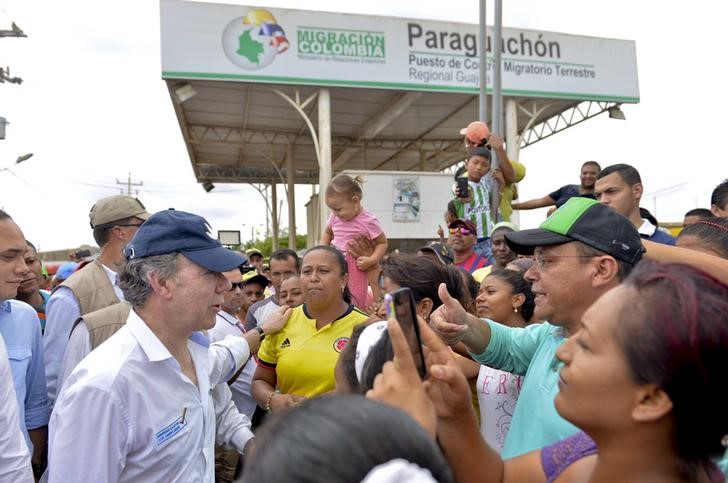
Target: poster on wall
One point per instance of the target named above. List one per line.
(406, 199)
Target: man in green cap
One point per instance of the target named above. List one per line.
(581, 251)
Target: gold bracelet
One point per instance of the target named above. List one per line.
(270, 397)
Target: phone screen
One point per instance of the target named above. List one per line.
(462, 185)
(401, 304)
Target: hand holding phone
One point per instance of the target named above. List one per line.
(462, 187)
(401, 305)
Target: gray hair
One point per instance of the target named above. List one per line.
(133, 278)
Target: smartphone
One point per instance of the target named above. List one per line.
(462, 187)
(401, 305)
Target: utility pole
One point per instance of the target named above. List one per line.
(14, 31)
(129, 184)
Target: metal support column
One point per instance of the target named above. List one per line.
(274, 213)
(290, 177)
(482, 42)
(496, 119)
(512, 141)
(324, 132)
(512, 146)
(497, 92)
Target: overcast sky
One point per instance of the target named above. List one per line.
(93, 108)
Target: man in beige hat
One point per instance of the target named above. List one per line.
(114, 221)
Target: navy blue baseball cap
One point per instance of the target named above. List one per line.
(173, 231)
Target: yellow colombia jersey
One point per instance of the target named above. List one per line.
(303, 357)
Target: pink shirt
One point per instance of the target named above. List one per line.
(365, 223)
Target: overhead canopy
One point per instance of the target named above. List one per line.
(237, 132)
(400, 89)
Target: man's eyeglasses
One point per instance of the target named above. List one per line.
(542, 261)
(130, 224)
(236, 285)
(463, 231)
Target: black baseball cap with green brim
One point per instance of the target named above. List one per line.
(587, 221)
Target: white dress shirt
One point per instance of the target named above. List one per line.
(62, 311)
(14, 456)
(227, 325)
(79, 346)
(134, 416)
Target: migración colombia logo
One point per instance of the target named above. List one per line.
(253, 41)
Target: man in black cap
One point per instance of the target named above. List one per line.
(581, 251)
(140, 407)
(255, 258)
(438, 251)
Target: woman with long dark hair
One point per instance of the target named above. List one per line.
(644, 378)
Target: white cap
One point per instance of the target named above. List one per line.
(367, 339)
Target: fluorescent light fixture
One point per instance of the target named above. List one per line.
(208, 186)
(615, 112)
(184, 92)
(24, 157)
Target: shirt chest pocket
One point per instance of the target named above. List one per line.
(174, 430)
(19, 358)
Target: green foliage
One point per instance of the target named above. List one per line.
(266, 245)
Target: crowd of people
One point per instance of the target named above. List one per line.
(591, 348)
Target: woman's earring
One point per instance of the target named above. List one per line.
(515, 310)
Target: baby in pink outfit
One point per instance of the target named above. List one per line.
(348, 220)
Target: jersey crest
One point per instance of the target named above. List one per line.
(340, 343)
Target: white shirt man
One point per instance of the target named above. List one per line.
(140, 407)
(155, 422)
(14, 456)
(227, 324)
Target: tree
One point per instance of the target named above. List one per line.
(266, 245)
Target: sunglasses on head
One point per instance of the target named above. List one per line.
(461, 229)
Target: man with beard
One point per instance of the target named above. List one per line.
(588, 177)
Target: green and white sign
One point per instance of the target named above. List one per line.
(266, 45)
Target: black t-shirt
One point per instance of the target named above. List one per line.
(562, 195)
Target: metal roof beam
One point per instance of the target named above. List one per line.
(200, 134)
(394, 108)
(563, 120)
(432, 128)
(242, 174)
